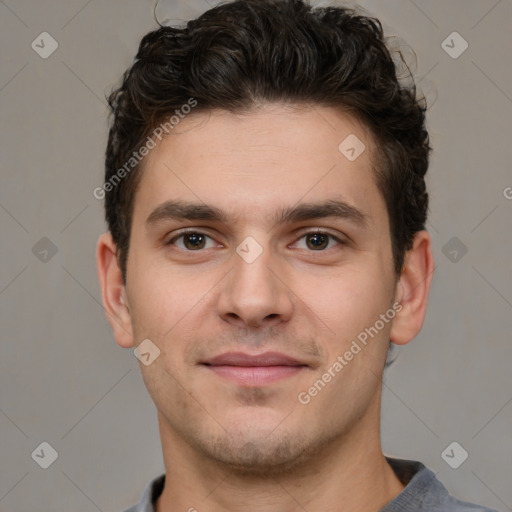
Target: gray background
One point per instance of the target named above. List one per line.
(64, 380)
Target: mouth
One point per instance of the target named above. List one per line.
(254, 370)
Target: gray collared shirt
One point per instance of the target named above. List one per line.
(423, 492)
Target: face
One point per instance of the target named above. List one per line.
(259, 254)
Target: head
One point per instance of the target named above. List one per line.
(279, 137)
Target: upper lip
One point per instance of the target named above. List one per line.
(244, 359)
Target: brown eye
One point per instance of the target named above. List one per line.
(317, 241)
(192, 241)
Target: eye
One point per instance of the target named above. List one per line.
(192, 241)
(319, 240)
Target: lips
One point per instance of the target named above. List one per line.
(254, 370)
(243, 359)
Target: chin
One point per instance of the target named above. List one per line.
(259, 458)
(260, 453)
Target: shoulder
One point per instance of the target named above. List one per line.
(462, 506)
(452, 504)
(424, 492)
(148, 497)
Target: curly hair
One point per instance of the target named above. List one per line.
(245, 52)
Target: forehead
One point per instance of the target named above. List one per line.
(250, 164)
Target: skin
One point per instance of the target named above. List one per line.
(229, 446)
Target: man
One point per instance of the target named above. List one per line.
(266, 207)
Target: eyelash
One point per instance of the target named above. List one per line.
(315, 232)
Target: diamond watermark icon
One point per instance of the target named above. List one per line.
(44, 250)
(454, 45)
(454, 455)
(45, 455)
(44, 45)
(146, 352)
(351, 147)
(249, 250)
(454, 249)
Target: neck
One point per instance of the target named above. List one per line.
(350, 474)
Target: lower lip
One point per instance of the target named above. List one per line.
(255, 375)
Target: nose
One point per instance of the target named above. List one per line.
(256, 293)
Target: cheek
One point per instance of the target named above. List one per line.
(156, 305)
(168, 303)
(345, 300)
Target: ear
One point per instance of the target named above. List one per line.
(412, 290)
(113, 293)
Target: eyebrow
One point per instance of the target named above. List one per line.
(182, 210)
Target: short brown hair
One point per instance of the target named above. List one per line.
(245, 52)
